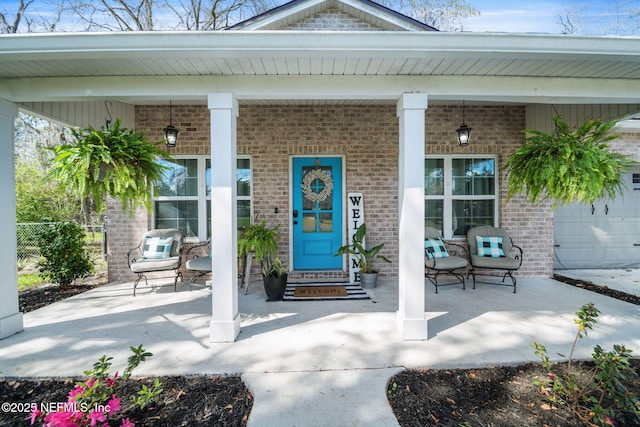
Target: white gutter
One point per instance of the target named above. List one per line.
(241, 43)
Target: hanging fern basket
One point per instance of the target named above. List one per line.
(117, 162)
(569, 165)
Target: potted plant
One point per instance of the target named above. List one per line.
(262, 240)
(366, 256)
(567, 165)
(115, 162)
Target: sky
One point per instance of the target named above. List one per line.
(513, 16)
(542, 16)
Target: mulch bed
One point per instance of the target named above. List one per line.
(40, 296)
(604, 290)
(495, 396)
(185, 401)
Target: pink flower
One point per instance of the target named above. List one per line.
(114, 404)
(76, 391)
(96, 416)
(609, 421)
(112, 381)
(552, 377)
(127, 423)
(35, 414)
(60, 419)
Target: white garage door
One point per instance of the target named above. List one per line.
(603, 235)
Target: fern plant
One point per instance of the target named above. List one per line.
(117, 162)
(568, 165)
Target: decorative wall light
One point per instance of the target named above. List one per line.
(464, 131)
(170, 132)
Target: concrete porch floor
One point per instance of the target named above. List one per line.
(291, 354)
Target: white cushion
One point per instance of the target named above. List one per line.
(435, 248)
(157, 247)
(490, 246)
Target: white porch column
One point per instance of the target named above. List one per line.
(10, 317)
(412, 324)
(225, 319)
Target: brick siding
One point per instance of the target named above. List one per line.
(332, 20)
(367, 137)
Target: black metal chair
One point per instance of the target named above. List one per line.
(491, 248)
(443, 258)
(201, 265)
(158, 250)
(198, 263)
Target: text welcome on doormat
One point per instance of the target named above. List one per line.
(319, 291)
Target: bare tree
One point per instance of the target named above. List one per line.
(150, 15)
(35, 137)
(114, 15)
(625, 17)
(620, 17)
(205, 15)
(445, 15)
(11, 28)
(32, 17)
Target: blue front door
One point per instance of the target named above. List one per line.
(317, 212)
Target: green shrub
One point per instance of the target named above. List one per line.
(598, 396)
(64, 257)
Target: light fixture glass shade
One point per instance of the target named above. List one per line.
(171, 135)
(464, 134)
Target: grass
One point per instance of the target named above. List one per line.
(28, 275)
(28, 280)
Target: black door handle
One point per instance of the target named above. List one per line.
(295, 213)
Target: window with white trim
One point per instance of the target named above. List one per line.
(460, 192)
(182, 199)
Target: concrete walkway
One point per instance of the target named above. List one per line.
(311, 363)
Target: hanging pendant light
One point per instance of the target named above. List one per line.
(171, 132)
(464, 131)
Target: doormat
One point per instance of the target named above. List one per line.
(323, 292)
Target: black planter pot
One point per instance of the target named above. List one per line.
(275, 286)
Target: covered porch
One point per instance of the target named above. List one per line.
(409, 71)
(299, 358)
(467, 328)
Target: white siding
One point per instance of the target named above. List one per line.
(540, 116)
(82, 113)
(603, 235)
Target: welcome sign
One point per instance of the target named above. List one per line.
(355, 218)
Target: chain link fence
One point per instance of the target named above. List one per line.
(27, 235)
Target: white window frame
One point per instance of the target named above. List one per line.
(203, 199)
(252, 184)
(447, 197)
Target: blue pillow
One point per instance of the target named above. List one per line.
(434, 248)
(157, 247)
(490, 246)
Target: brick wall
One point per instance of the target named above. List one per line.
(332, 20)
(125, 231)
(366, 135)
(368, 138)
(498, 130)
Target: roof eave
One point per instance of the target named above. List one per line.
(166, 44)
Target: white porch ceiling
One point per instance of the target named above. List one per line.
(447, 65)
